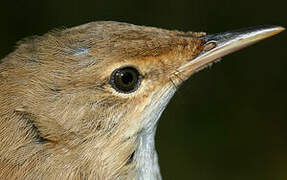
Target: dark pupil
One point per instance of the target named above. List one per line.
(125, 80)
(126, 77)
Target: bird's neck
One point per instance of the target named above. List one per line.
(146, 155)
(147, 161)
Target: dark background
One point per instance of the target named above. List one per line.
(225, 123)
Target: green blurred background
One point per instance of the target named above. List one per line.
(227, 122)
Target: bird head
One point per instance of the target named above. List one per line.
(90, 96)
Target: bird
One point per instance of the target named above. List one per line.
(84, 102)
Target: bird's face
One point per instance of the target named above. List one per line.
(140, 85)
(105, 78)
(116, 78)
(94, 90)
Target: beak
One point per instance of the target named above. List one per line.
(221, 44)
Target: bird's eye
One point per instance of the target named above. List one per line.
(125, 79)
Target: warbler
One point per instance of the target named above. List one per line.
(84, 102)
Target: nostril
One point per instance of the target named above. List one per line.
(209, 46)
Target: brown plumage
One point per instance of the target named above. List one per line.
(60, 118)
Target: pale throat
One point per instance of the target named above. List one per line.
(146, 158)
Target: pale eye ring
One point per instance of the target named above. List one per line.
(125, 79)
